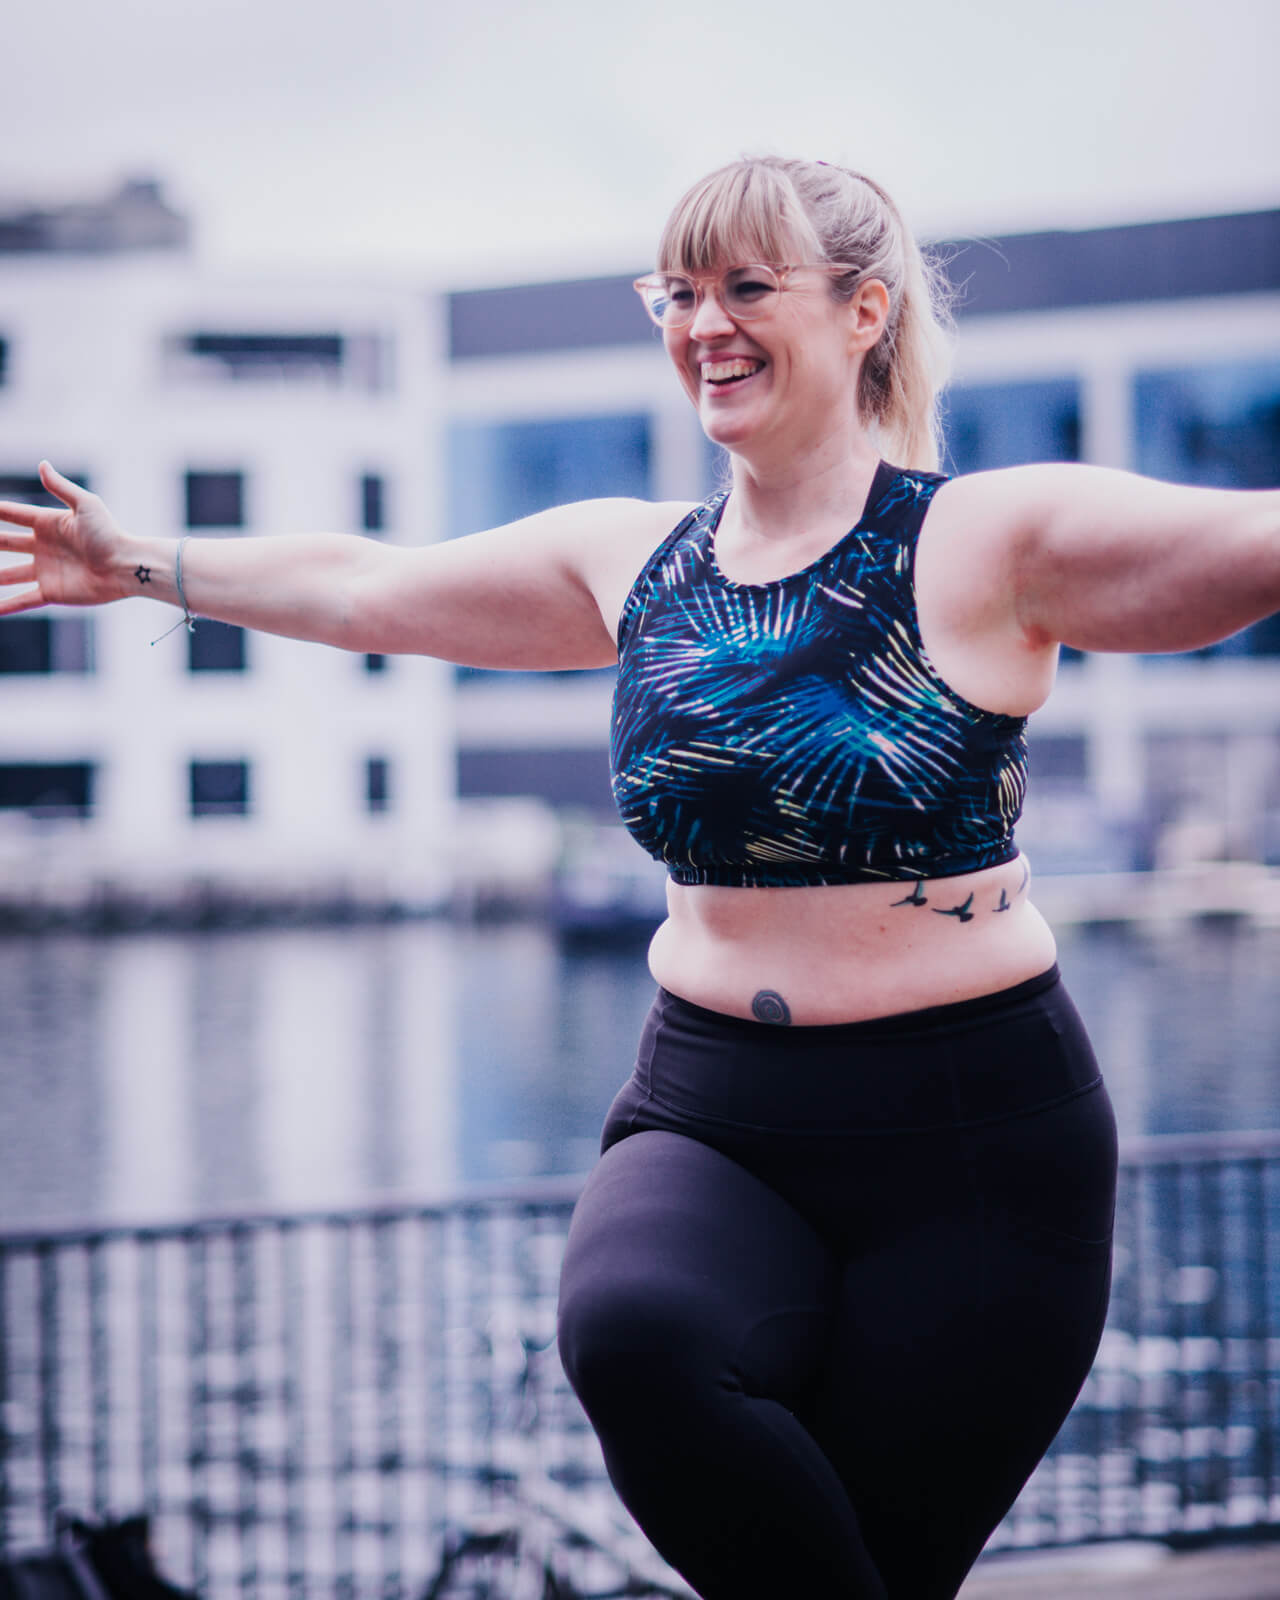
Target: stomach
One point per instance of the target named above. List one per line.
(851, 952)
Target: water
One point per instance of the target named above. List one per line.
(161, 1077)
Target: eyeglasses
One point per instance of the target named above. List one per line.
(745, 293)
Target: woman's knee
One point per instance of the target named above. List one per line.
(622, 1329)
(684, 1273)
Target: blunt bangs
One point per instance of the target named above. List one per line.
(744, 212)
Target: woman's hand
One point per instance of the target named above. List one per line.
(74, 555)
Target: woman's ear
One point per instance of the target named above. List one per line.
(868, 313)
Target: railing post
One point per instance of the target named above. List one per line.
(47, 1408)
(293, 1307)
(201, 1382)
(6, 1419)
(249, 1402)
(99, 1375)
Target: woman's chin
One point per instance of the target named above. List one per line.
(726, 431)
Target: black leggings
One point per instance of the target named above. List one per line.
(831, 1291)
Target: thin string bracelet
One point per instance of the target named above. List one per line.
(182, 599)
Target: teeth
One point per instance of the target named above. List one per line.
(722, 371)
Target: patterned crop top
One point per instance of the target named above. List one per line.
(794, 732)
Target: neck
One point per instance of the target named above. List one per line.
(795, 497)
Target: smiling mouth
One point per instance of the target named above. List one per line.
(721, 373)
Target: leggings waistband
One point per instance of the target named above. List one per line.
(949, 1014)
(958, 1064)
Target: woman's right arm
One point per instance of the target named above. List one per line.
(539, 593)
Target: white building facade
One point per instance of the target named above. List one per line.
(218, 768)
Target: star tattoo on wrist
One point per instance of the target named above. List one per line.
(142, 574)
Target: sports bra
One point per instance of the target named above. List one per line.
(794, 732)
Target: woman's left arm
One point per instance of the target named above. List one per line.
(1106, 560)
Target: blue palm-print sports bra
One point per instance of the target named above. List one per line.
(794, 732)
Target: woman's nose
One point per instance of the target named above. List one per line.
(710, 319)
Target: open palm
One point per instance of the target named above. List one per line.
(72, 553)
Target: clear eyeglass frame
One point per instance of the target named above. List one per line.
(746, 293)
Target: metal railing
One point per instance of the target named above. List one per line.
(1176, 1434)
(304, 1403)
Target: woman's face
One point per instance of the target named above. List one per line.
(781, 378)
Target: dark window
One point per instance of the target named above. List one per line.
(1007, 424)
(4, 361)
(375, 663)
(47, 789)
(373, 507)
(499, 471)
(270, 355)
(46, 644)
(377, 791)
(1058, 756)
(1217, 425)
(215, 499)
(215, 647)
(219, 788)
(26, 486)
(358, 361)
(26, 644)
(564, 777)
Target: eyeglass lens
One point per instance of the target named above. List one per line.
(744, 292)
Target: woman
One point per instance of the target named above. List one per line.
(843, 1265)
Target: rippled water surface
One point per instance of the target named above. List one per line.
(152, 1077)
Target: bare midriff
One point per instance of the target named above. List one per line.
(851, 952)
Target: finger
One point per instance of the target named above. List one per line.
(18, 572)
(26, 601)
(55, 483)
(16, 511)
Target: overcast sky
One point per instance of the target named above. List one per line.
(488, 140)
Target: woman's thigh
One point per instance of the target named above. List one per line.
(959, 1350)
(695, 1314)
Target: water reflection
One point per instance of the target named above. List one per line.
(1185, 1020)
(160, 1077)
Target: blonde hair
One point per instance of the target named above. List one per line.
(766, 208)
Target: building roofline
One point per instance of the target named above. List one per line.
(1237, 253)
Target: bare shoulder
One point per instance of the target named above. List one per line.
(612, 541)
(999, 501)
(980, 525)
(1013, 502)
(595, 523)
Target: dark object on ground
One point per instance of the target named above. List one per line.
(90, 1561)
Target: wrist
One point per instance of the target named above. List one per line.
(146, 567)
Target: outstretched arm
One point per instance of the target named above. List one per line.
(1119, 562)
(525, 595)
(1107, 560)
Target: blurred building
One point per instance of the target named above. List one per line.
(135, 216)
(221, 766)
(216, 767)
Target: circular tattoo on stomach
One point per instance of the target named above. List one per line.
(769, 1006)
